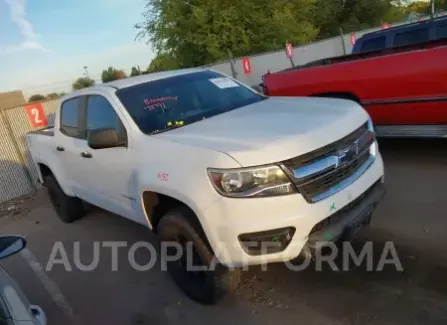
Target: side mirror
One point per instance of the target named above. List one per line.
(102, 138)
(10, 245)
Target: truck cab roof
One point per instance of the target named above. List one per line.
(131, 81)
(402, 35)
(127, 82)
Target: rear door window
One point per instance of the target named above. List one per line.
(374, 44)
(411, 37)
(441, 31)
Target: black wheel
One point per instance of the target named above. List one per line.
(68, 208)
(204, 286)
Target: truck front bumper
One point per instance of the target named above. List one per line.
(289, 223)
(343, 224)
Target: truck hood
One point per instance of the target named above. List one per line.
(274, 129)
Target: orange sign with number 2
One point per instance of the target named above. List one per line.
(36, 115)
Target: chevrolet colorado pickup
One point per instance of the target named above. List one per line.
(202, 159)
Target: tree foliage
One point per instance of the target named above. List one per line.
(421, 7)
(197, 32)
(36, 98)
(53, 96)
(424, 7)
(186, 33)
(135, 72)
(112, 74)
(83, 82)
(354, 15)
(162, 62)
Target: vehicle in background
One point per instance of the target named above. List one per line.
(15, 308)
(408, 34)
(213, 166)
(403, 89)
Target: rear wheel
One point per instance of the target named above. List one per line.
(68, 208)
(207, 285)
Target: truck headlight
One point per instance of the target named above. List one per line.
(251, 182)
(370, 125)
(374, 146)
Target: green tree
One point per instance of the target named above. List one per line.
(197, 32)
(36, 98)
(422, 7)
(83, 82)
(162, 62)
(355, 15)
(112, 74)
(135, 72)
(53, 96)
(441, 5)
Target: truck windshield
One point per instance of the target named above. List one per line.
(158, 106)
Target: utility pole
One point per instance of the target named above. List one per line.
(233, 70)
(86, 71)
(342, 38)
(432, 9)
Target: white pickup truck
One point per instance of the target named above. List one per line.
(200, 158)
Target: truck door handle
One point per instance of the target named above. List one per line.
(86, 154)
(60, 148)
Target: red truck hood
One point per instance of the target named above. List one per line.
(272, 130)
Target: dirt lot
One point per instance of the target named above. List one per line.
(413, 216)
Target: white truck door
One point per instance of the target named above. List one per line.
(107, 173)
(67, 143)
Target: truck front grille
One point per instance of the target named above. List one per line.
(328, 170)
(320, 185)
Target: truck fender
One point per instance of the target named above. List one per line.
(56, 172)
(185, 200)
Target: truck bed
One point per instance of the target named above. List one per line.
(49, 131)
(41, 145)
(401, 88)
(369, 55)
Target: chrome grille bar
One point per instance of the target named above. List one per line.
(337, 168)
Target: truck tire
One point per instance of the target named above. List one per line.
(68, 208)
(206, 287)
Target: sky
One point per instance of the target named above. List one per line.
(44, 44)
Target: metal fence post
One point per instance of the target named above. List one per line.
(342, 37)
(17, 149)
(233, 70)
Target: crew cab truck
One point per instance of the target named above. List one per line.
(403, 89)
(407, 34)
(200, 158)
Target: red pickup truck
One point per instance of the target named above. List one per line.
(403, 89)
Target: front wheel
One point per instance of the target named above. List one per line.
(207, 285)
